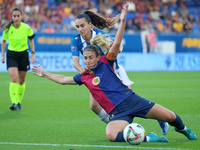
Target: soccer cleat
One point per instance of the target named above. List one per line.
(19, 106)
(154, 138)
(164, 127)
(13, 107)
(188, 133)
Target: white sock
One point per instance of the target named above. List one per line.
(104, 116)
(183, 129)
(147, 138)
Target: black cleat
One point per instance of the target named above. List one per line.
(13, 107)
(19, 106)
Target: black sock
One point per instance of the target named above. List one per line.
(178, 123)
(120, 137)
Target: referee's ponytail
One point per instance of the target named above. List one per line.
(8, 26)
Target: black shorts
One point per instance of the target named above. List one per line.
(18, 59)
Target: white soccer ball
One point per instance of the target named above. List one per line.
(134, 133)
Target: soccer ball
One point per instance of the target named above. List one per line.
(134, 133)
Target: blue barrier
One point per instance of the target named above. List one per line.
(62, 62)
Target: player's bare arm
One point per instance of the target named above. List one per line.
(78, 66)
(119, 35)
(61, 79)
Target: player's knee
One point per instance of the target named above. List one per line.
(171, 117)
(110, 136)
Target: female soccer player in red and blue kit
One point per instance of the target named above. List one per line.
(84, 23)
(116, 98)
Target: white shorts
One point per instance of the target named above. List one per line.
(122, 75)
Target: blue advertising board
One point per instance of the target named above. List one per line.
(60, 42)
(184, 42)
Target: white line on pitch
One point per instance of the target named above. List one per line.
(79, 145)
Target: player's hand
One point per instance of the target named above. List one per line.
(3, 59)
(33, 58)
(38, 70)
(83, 71)
(124, 13)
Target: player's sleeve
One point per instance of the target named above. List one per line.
(108, 58)
(111, 56)
(77, 79)
(5, 35)
(30, 33)
(74, 47)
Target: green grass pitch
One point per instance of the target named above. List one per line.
(58, 117)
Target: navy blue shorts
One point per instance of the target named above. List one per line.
(133, 106)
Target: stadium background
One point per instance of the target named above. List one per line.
(57, 117)
(161, 35)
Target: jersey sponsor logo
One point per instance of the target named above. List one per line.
(111, 116)
(96, 81)
(73, 48)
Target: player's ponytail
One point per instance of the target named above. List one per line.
(101, 22)
(8, 26)
(102, 41)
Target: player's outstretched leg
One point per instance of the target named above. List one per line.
(164, 127)
(188, 133)
(180, 127)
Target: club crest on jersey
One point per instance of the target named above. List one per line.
(73, 48)
(96, 81)
(91, 72)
